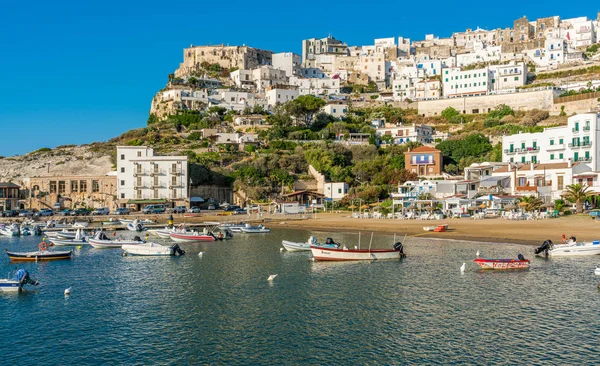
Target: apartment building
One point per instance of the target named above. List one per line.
(324, 46)
(407, 133)
(144, 178)
(457, 82)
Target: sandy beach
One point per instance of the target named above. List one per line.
(530, 232)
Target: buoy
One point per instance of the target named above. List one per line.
(68, 292)
(462, 268)
(281, 249)
(271, 277)
(477, 254)
(124, 254)
(79, 247)
(200, 254)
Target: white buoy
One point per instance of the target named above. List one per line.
(477, 254)
(200, 254)
(355, 247)
(462, 268)
(271, 277)
(281, 249)
(68, 292)
(597, 271)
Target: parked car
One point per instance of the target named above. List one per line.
(25, 213)
(80, 212)
(46, 212)
(101, 211)
(212, 206)
(240, 211)
(65, 212)
(10, 213)
(194, 210)
(56, 206)
(122, 211)
(179, 209)
(154, 209)
(232, 208)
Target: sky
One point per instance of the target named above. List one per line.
(75, 72)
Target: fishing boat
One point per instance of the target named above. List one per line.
(101, 241)
(136, 225)
(570, 248)
(10, 230)
(193, 236)
(79, 239)
(345, 254)
(503, 264)
(41, 255)
(16, 283)
(153, 249)
(260, 229)
(291, 246)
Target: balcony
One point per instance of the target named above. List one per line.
(156, 185)
(138, 173)
(176, 185)
(155, 172)
(584, 159)
(586, 144)
(575, 130)
(139, 186)
(556, 147)
(574, 145)
(508, 151)
(175, 171)
(586, 128)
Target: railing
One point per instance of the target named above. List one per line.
(575, 129)
(174, 171)
(584, 159)
(586, 143)
(574, 145)
(508, 151)
(586, 128)
(138, 172)
(139, 186)
(179, 185)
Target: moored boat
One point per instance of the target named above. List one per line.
(260, 229)
(570, 248)
(136, 225)
(345, 254)
(153, 249)
(10, 230)
(291, 246)
(101, 241)
(193, 236)
(80, 239)
(16, 283)
(503, 263)
(40, 255)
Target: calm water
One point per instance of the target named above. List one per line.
(219, 309)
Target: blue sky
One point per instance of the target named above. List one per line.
(75, 72)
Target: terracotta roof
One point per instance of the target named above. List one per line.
(547, 166)
(423, 149)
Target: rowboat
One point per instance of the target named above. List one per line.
(16, 283)
(101, 241)
(345, 254)
(153, 249)
(503, 264)
(292, 246)
(40, 255)
(255, 229)
(193, 236)
(570, 248)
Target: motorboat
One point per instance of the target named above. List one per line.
(66, 234)
(193, 236)
(235, 228)
(136, 225)
(101, 241)
(437, 228)
(166, 232)
(16, 283)
(344, 254)
(153, 249)
(10, 230)
(53, 224)
(79, 239)
(570, 248)
(81, 224)
(26, 231)
(291, 246)
(128, 221)
(503, 264)
(255, 229)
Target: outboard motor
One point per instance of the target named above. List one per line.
(22, 276)
(137, 238)
(329, 241)
(37, 230)
(399, 248)
(177, 250)
(521, 257)
(545, 247)
(102, 236)
(573, 239)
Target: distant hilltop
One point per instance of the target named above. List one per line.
(228, 57)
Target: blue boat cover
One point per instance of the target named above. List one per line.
(21, 274)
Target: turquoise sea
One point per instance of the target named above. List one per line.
(220, 308)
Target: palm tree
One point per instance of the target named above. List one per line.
(532, 203)
(578, 193)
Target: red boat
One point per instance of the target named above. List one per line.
(503, 264)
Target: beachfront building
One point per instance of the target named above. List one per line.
(335, 191)
(143, 178)
(73, 191)
(9, 196)
(425, 161)
(406, 133)
(575, 142)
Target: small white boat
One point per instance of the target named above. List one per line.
(66, 234)
(128, 221)
(57, 225)
(26, 231)
(81, 224)
(570, 248)
(291, 246)
(153, 249)
(234, 228)
(16, 283)
(101, 241)
(136, 225)
(438, 227)
(167, 231)
(255, 229)
(79, 239)
(345, 254)
(10, 230)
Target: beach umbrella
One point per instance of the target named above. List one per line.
(523, 204)
(375, 204)
(510, 207)
(364, 207)
(352, 207)
(482, 205)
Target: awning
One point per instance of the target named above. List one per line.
(585, 175)
(491, 181)
(141, 202)
(196, 199)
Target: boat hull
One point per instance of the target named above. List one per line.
(38, 256)
(189, 238)
(9, 286)
(110, 244)
(331, 254)
(149, 249)
(68, 242)
(291, 246)
(575, 250)
(501, 264)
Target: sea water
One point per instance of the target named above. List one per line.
(220, 308)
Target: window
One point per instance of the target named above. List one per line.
(95, 186)
(522, 159)
(560, 182)
(139, 154)
(156, 193)
(522, 181)
(122, 170)
(551, 142)
(576, 157)
(551, 156)
(122, 195)
(122, 182)
(74, 186)
(561, 142)
(339, 191)
(83, 186)
(534, 159)
(560, 156)
(522, 145)
(156, 184)
(516, 78)
(62, 187)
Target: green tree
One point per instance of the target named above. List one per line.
(449, 113)
(304, 108)
(533, 203)
(577, 193)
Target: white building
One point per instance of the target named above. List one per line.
(373, 65)
(407, 133)
(470, 82)
(266, 75)
(147, 178)
(243, 79)
(234, 97)
(335, 191)
(316, 86)
(508, 76)
(288, 62)
(335, 109)
(576, 142)
(280, 95)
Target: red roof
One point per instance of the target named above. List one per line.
(424, 149)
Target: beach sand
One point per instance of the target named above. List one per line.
(531, 232)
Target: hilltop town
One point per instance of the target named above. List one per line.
(509, 112)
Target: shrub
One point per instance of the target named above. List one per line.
(527, 121)
(501, 111)
(508, 119)
(491, 122)
(250, 148)
(449, 113)
(538, 116)
(194, 136)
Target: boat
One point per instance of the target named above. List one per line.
(128, 221)
(101, 241)
(503, 264)
(81, 224)
(344, 254)
(66, 234)
(136, 225)
(57, 224)
(111, 222)
(79, 239)
(10, 230)
(26, 231)
(16, 283)
(153, 249)
(255, 229)
(41, 255)
(235, 228)
(291, 246)
(166, 232)
(570, 248)
(193, 236)
(439, 228)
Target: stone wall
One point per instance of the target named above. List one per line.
(244, 58)
(320, 178)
